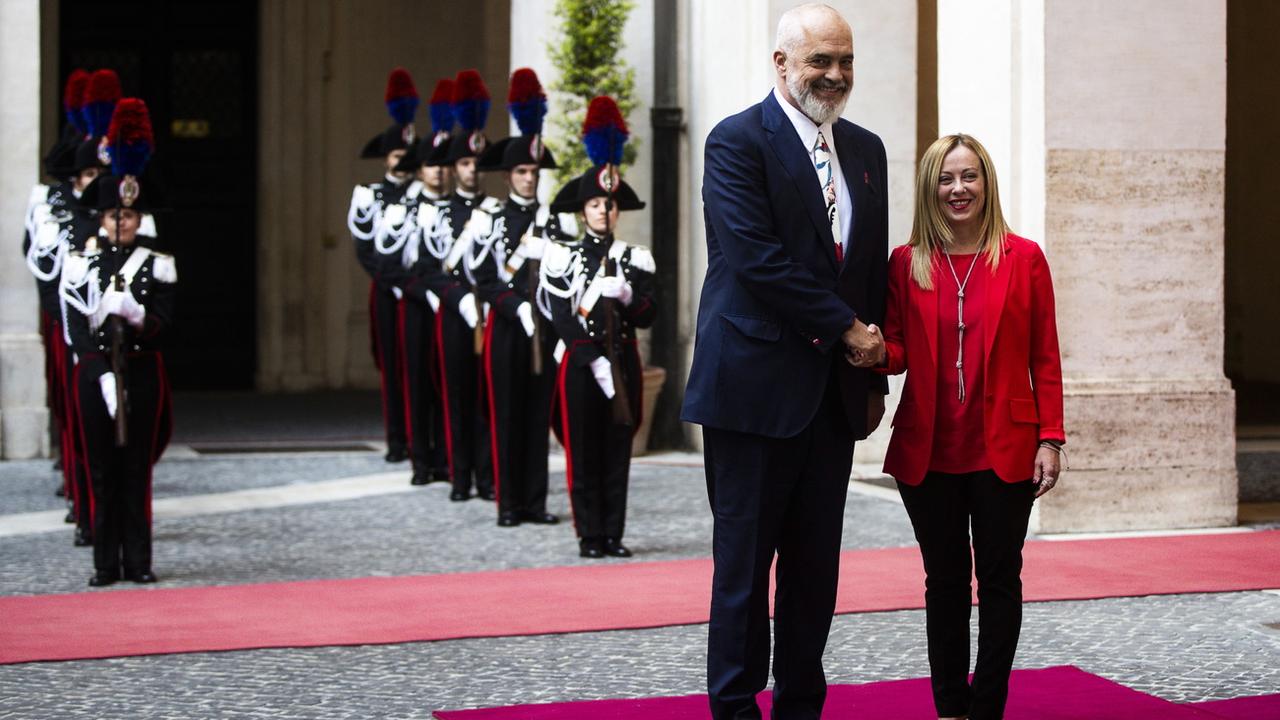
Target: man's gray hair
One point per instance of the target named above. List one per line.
(792, 25)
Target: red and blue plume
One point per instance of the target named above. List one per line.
(73, 99)
(129, 138)
(604, 132)
(442, 107)
(526, 101)
(401, 96)
(470, 100)
(101, 94)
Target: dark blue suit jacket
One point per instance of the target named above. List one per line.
(775, 303)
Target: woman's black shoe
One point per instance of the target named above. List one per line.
(590, 548)
(613, 547)
(102, 578)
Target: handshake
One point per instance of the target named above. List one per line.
(864, 345)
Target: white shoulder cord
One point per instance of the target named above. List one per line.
(401, 232)
(439, 237)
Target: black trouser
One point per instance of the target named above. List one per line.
(786, 496)
(121, 476)
(75, 464)
(942, 509)
(519, 414)
(423, 415)
(598, 450)
(466, 431)
(385, 315)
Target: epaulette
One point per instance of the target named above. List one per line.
(164, 269)
(76, 267)
(491, 205)
(362, 196)
(642, 259)
(39, 194)
(557, 259)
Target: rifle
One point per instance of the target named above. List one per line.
(535, 268)
(620, 405)
(478, 333)
(117, 344)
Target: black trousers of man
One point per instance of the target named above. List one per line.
(783, 496)
(598, 449)
(121, 476)
(941, 510)
(385, 317)
(519, 414)
(423, 415)
(466, 429)
(75, 466)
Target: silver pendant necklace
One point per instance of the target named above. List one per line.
(960, 315)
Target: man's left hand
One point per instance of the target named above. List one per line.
(875, 411)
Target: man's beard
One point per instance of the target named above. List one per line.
(818, 111)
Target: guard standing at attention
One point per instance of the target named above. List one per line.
(518, 364)
(448, 236)
(400, 246)
(599, 291)
(363, 218)
(118, 300)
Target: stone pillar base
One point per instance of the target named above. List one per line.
(1146, 455)
(24, 418)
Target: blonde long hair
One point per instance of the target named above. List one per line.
(930, 232)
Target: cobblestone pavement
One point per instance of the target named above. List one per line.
(1183, 648)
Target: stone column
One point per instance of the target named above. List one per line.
(1135, 126)
(24, 418)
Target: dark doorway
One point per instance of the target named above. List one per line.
(195, 64)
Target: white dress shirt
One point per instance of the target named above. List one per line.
(808, 133)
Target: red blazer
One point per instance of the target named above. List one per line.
(1022, 372)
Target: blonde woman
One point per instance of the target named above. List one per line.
(977, 434)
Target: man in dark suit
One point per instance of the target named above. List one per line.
(796, 216)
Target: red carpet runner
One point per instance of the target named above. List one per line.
(605, 596)
(1058, 693)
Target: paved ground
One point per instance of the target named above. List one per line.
(1184, 648)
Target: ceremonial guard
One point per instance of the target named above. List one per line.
(598, 292)
(363, 219)
(399, 245)
(118, 299)
(58, 222)
(447, 272)
(519, 362)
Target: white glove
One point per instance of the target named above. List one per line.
(434, 301)
(603, 371)
(525, 313)
(534, 246)
(397, 292)
(116, 302)
(467, 309)
(107, 381)
(614, 286)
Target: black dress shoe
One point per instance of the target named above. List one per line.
(440, 475)
(459, 495)
(142, 578)
(70, 517)
(397, 454)
(539, 518)
(613, 547)
(102, 578)
(419, 478)
(83, 538)
(590, 548)
(487, 495)
(57, 465)
(508, 519)
(60, 491)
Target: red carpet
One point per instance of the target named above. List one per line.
(606, 596)
(1263, 707)
(1058, 693)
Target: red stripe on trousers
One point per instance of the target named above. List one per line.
(493, 413)
(444, 391)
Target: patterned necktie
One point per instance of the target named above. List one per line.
(822, 161)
